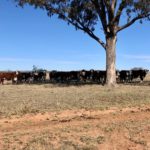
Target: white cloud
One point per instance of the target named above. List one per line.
(4, 59)
(138, 57)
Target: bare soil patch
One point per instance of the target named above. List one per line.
(113, 129)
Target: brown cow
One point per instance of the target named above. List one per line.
(8, 76)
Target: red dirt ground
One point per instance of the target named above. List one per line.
(115, 129)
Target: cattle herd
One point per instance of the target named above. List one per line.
(82, 76)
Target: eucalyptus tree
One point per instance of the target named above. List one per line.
(110, 16)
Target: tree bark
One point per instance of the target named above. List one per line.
(111, 60)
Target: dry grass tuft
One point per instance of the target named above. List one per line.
(23, 99)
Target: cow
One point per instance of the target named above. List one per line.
(98, 76)
(139, 73)
(86, 75)
(39, 76)
(64, 76)
(59, 76)
(9, 76)
(2, 81)
(125, 75)
(25, 77)
(52, 75)
(102, 76)
(74, 76)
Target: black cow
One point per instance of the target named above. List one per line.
(141, 73)
(86, 75)
(102, 76)
(74, 76)
(25, 77)
(52, 75)
(125, 75)
(39, 76)
(59, 76)
(98, 76)
(95, 75)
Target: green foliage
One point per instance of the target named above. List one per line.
(37, 69)
(86, 14)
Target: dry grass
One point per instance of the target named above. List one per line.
(22, 99)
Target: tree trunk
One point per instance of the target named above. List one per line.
(111, 61)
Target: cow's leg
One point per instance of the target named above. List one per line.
(141, 77)
(2, 81)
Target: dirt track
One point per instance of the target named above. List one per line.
(115, 129)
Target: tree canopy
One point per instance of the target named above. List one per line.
(85, 14)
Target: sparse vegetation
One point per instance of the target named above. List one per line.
(23, 99)
(89, 117)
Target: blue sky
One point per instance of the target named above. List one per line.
(28, 37)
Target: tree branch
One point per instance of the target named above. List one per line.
(100, 8)
(133, 21)
(119, 11)
(91, 34)
(110, 9)
(111, 6)
(78, 25)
